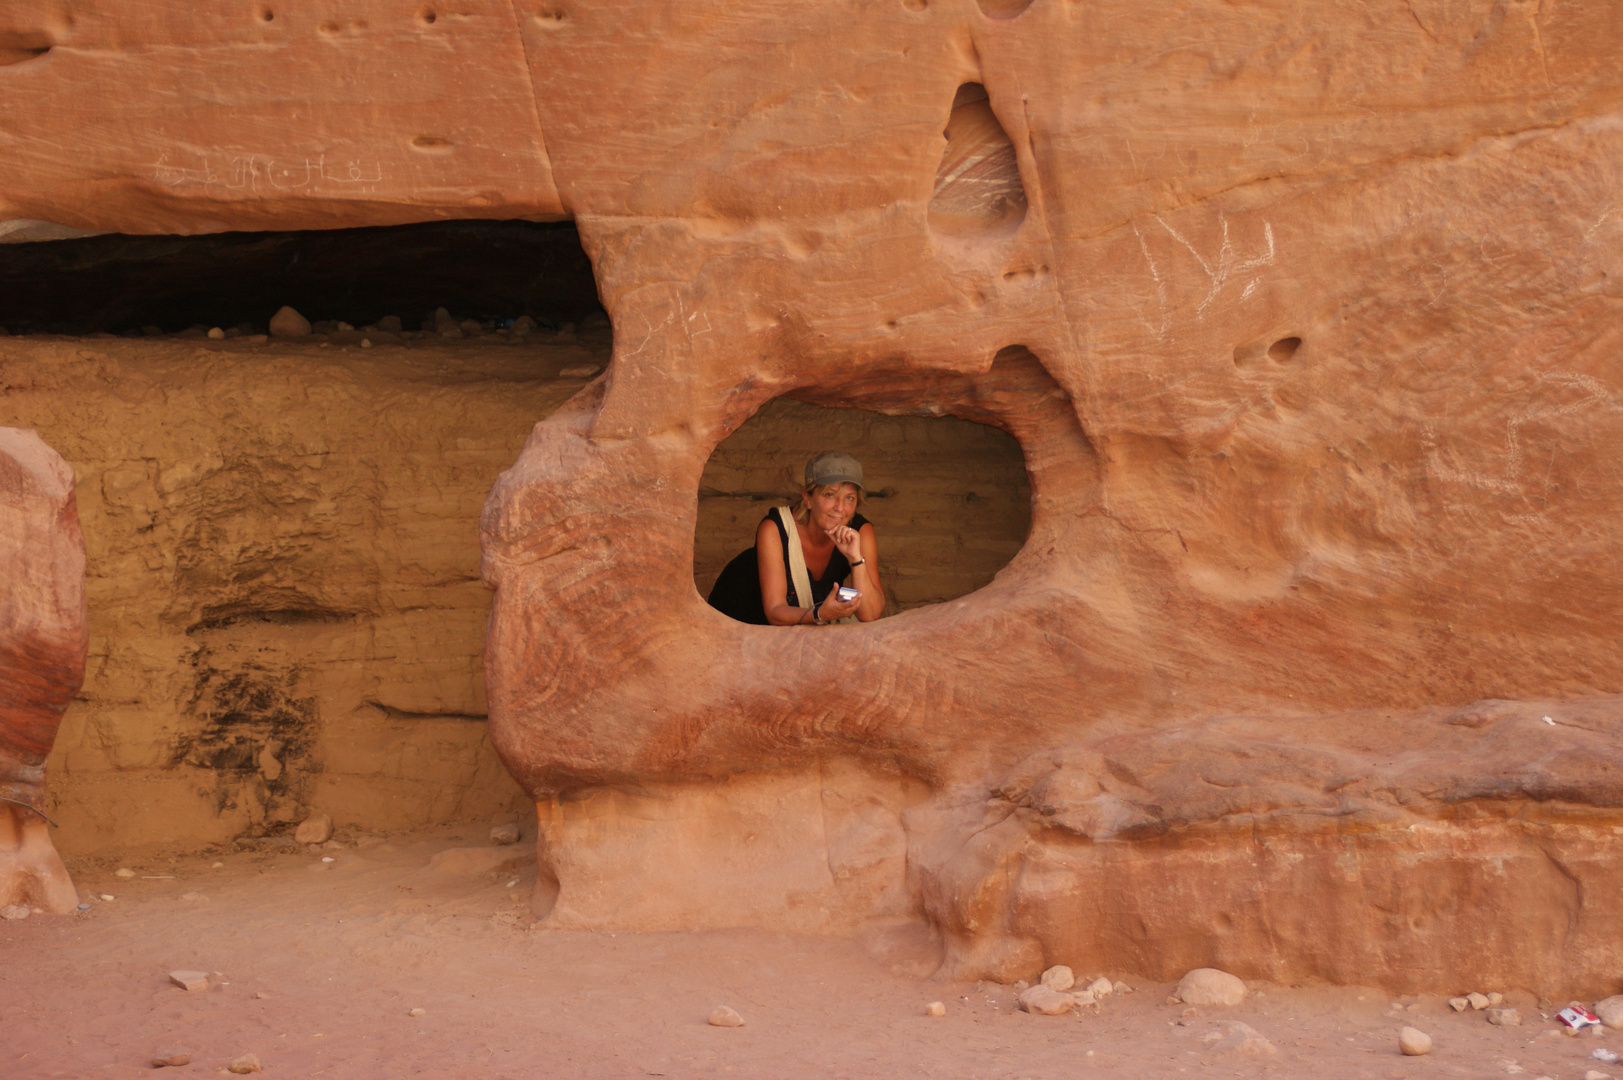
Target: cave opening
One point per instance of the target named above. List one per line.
(484, 274)
(949, 498)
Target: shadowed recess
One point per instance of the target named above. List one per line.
(119, 284)
(977, 187)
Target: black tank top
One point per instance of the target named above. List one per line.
(838, 568)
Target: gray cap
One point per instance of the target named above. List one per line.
(833, 467)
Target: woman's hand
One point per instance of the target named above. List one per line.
(833, 609)
(849, 541)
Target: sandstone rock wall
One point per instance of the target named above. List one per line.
(42, 656)
(1303, 315)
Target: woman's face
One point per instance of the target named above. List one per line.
(831, 508)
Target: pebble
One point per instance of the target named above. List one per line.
(1058, 977)
(1209, 986)
(171, 1057)
(1121, 988)
(14, 911)
(390, 323)
(287, 323)
(315, 829)
(935, 1008)
(190, 980)
(1414, 1042)
(366, 343)
(1243, 1040)
(107, 896)
(1478, 1001)
(216, 334)
(1605, 1055)
(217, 866)
(723, 1016)
(1610, 1011)
(1045, 1000)
(418, 1012)
(1101, 987)
(124, 871)
(1504, 1017)
(523, 325)
(1459, 1004)
(504, 834)
(262, 996)
(193, 897)
(247, 1063)
(1495, 1000)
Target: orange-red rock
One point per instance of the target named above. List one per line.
(1304, 316)
(43, 642)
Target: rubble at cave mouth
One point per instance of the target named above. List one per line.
(486, 272)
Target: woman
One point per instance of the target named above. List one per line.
(829, 543)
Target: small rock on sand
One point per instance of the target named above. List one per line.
(418, 1012)
(1414, 1042)
(247, 1063)
(1459, 1004)
(1059, 977)
(1243, 1040)
(190, 980)
(124, 872)
(1045, 1000)
(14, 911)
(391, 323)
(1504, 1017)
(216, 334)
(1495, 1000)
(1478, 1001)
(723, 1016)
(504, 834)
(1610, 1011)
(315, 829)
(1209, 986)
(935, 1008)
(1101, 987)
(165, 1058)
(287, 323)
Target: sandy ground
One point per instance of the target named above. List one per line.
(315, 967)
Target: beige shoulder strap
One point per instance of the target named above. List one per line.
(797, 558)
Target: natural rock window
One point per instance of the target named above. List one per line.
(949, 498)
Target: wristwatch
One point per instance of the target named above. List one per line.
(817, 616)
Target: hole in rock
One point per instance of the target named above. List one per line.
(19, 48)
(949, 499)
(977, 187)
(481, 270)
(1284, 349)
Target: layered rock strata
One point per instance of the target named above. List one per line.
(43, 640)
(1304, 319)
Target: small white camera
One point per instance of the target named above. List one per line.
(847, 594)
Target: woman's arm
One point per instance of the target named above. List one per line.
(775, 579)
(871, 604)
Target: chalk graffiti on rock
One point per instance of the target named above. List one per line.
(254, 172)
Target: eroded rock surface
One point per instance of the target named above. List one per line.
(1306, 323)
(43, 640)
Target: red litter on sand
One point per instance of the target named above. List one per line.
(1577, 1018)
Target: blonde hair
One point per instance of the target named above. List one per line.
(803, 513)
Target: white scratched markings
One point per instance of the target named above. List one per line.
(256, 172)
(1594, 393)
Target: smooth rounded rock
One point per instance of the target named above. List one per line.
(167, 1058)
(724, 1016)
(1209, 986)
(1414, 1042)
(935, 1008)
(1045, 1001)
(1059, 977)
(315, 829)
(1610, 1011)
(247, 1063)
(287, 323)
